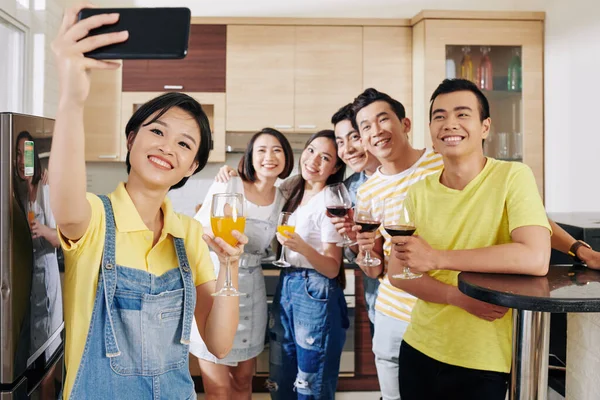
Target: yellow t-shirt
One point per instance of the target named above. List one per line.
(134, 250)
(501, 198)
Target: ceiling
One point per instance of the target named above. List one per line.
(326, 8)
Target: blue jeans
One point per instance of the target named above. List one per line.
(371, 288)
(307, 333)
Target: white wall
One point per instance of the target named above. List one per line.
(572, 87)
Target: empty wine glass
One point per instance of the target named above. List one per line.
(398, 221)
(367, 215)
(227, 213)
(285, 224)
(339, 203)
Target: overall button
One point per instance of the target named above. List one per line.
(109, 266)
(186, 268)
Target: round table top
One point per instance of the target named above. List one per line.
(566, 288)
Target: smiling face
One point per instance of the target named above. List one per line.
(383, 134)
(268, 157)
(318, 160)
(350, 148)
(164, 152)
(456, 127)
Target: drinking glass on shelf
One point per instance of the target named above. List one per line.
(339, 204)
(227, 213)
(368, 216)
(397, 221)
(285, 224)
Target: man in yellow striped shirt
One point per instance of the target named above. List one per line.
(384, 129)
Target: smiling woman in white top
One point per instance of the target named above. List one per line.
(309, 315)
(268, 157)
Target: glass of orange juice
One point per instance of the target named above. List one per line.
(286, 224)
(228, 213)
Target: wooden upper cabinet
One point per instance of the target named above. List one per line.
(260, 77)
(387, 62)
(102, 117)
(202, 70)
(328, 73)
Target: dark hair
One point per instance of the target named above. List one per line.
(459, 85)
(297, 190)
(37, 165)
(246, 169)
(344, 113)
(370, 96)
(164, 103)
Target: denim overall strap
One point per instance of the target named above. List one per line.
(109, 276)
(189, 299)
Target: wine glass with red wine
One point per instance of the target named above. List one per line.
(367, 215)
(339, 204)
(398, 221)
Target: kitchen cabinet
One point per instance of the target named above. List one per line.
(101, 118)
(260, 77)
(202, 70)
(448, 44)
(292, 78)
(387, 62)
(328, 73)
(213, 105)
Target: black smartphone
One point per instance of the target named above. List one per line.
(154, 33)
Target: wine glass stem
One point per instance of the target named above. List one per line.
(282, 258)
(227, 274)
(368, 256)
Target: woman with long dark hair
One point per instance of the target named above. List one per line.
(268, 156)
(309, 316)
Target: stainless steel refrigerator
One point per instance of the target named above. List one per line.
(31, 314)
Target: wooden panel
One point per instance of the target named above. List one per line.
(363, 347)
(387, 62)
(213, 105)
(529, 35)
(202, 70)
(102, 117)
(260, 78)
(328, 73)
(420, 123)
(302, 21)
(480, 15)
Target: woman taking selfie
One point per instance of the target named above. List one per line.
(268, 157)
(136, 273)
(309, 318)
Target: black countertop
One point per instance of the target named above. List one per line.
(566, 288)
(580, 220)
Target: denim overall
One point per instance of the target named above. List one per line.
(138, 340)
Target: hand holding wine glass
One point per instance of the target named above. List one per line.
(228, 221)
(398, 221)
(285, 225)
(339, 204)
(368, 216)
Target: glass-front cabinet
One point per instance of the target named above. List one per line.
(502, 53)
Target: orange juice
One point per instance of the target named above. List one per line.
(30, 216)
(222, 227)
(281, 229)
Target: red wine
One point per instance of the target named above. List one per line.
(338, 211)
(400, 230)
(369, 226)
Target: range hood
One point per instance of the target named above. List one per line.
(236, 142)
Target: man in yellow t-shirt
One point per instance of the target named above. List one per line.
(477, 214)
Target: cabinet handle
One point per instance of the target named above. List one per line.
(283, 127)
(307, 126)
(173, 87)
(108, 157)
